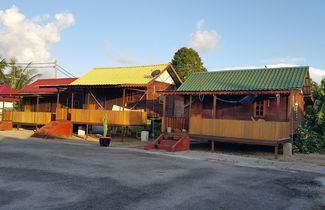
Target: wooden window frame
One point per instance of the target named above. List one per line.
(264, 103)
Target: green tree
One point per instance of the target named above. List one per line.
(19, 77)
(187, 60)
(310, 136)
(3, 65)
(318, 109)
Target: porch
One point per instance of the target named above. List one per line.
(266, 120)
(78, 116)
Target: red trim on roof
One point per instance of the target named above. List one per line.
(34, 87)
(7, 90)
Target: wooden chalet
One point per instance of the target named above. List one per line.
(128, 95)
(38, 105)
(132, 88)
(254, 106)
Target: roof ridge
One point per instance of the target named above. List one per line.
(252, 69)
(57, 78)
(120, 67)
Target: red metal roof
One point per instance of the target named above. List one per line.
(34, 87)
(7, 90)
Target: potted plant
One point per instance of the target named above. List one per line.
(105, 140)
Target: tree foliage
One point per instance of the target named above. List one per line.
(187, 60)
(16, 76)
(310, 136)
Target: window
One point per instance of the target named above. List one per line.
(259, 109)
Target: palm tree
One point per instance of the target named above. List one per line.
(3, 65)
(19, 77)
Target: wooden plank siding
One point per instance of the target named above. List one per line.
(122, 118)
(39, 118)
(268, 130)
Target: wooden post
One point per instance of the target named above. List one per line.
(72, 100)
(122, 130)
(278, 97)
(37, 103)
(123, 99)
(214, 109)
(190, 108)
(163, 114)
(58, 99)
(212, 146)
(87, 127)
(3, 107)
(276, 148)
(88, 99)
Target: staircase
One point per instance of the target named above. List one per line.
(171, 142)
(5, 125)
(54, 129)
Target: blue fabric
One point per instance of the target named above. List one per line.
(248, 99)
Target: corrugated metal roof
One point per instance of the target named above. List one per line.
(247, 79)
(119, 75)
(35, 86)
(6, 90)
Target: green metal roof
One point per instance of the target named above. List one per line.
(247, 79)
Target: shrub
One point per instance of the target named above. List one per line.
(307, 140)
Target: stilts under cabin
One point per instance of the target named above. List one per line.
(253, 106)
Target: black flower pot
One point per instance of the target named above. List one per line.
(104, 141)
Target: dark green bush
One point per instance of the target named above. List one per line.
(306, 140)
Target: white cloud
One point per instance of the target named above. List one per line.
(284, 60)
(316, 74)
(120, 57)
(26, 39)
(203, 40)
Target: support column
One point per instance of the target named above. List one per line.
(58, 99)
(3, 107)
(123, 99)
(163, 126)
(278, 97)
(190, 108)
(72, 100)
(214, 107)
(88, 98)
(290, 110)
(37, 103)
(212, 146)
(276, 148)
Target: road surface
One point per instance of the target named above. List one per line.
(57, 174)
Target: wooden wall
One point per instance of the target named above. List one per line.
(232, 111)
(149, 102)
(268, 130)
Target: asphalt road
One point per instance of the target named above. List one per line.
(45, 174)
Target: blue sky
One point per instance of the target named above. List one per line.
(122, 33)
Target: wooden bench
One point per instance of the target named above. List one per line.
(213, 139)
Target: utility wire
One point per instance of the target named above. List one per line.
(45, 65)
(65, 70)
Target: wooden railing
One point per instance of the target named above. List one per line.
(124, 118)
(177, 123)
(28, 117)
(61, 114)
(259, 130)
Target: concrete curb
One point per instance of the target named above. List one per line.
(237, 160)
